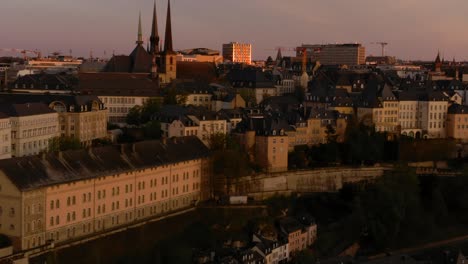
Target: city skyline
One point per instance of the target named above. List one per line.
(414, 29)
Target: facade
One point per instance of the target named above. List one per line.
(254, 84)
(335, 54)
(178, 121)
(266, 141)
(457, 122)
(300, 234)
(83, 117)
(111, 187)
(274, 251)
(272, 151)
(410, 115)
(434, 114)
(238, 52)
(5, 136)
(119, 92)
(380, 107)
(33, 125)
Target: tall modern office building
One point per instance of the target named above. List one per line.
(335, 54)
(238, 52)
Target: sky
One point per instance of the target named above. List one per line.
(414, 29)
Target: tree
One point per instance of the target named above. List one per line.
(134, 116)
(269, 60)
(299, 93)
(152, 130)
(391, 204)
(63, 144)
(173, 97)
(331, 135)
(150, 108)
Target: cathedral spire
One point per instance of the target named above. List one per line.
(168, 37)
(154, 39)
(140, 34)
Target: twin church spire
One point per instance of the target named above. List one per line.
(154, 47)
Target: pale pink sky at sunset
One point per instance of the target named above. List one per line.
(415, 29)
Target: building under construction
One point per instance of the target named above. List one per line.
(335, 54)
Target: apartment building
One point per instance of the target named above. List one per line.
(33, 125)
(119, 92)
(457, 122)
(335, 54)
(83, 117)
(178, 121)
(5, 136)
(266, 141)
(300, 233)
(410, 114)
(379, 106)
(237, 52)
(434, 114)
(111, 187)
(272, 250)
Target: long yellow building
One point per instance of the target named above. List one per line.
(64, 196)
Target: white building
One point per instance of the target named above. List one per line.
(33, 125)
(5, 135)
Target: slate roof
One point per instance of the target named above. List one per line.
(251, 78)
(118, 84)
(3, 115)
(139, 61)
(32, 172)
(199, 71)
(27, 109)
(67, 99)
(458, 109)
(46, 81)
(266, 124)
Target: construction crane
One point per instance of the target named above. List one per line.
(22, 51)
(382, 44)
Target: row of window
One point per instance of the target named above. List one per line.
(36, 132)
(119, 100)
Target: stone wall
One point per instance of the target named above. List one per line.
(303, 181)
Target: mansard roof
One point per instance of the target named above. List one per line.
(66, 99)
(25, 109)
(32, 172)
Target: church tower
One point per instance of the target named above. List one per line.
(438, 63)
(154, 38)
(153, 50)
(168, 56)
